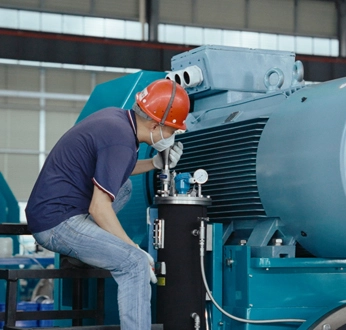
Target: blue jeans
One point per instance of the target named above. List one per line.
(81, 238)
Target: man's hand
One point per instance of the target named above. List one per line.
(153, 278)
(174, 156)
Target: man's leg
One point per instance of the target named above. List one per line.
(80, 237)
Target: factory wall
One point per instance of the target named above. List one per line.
(303, 17)
(37, 105)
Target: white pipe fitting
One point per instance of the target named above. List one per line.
(197, 320)
(189, 77)
(178, 77)
(193, 76)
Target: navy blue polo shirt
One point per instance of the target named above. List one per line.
(100, 150)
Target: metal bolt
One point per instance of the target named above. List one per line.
(243, 242)
(250, 305)
(220, 323)
(326, 327)
(229, 262)
(277, 241)
(195, 232)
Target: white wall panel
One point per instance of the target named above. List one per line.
(67, 81)
(193, 36)
(21, 78)
(59, 81)
(3, 165)
(102, 77)
(64, 106)
(19, 129)
(232, 38)
(57, 123)
(51, 23)
(19, 103)
(21, 174)
(286, 43)
(73, 24)
(4, 133)
(3, 72)
(172, 34)
(82, 82)
(29, 20)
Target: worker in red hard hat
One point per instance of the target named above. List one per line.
(85, 182)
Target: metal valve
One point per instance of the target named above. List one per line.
(159, 234)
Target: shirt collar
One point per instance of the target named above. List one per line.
(133, 122)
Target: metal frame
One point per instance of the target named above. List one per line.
(77, 313)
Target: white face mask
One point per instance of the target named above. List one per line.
(162, 144)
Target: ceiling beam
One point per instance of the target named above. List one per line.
(72, 49)
(152, 56)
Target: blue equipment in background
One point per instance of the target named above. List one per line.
(274, 149)
(9, 210)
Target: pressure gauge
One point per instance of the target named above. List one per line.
(201, 176)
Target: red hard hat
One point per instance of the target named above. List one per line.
(166, 102)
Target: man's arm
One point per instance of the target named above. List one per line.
(143, 165)
(103, 214)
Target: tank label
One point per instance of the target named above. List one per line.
(161, 281)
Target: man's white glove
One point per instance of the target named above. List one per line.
(174, 156)
(153, 278)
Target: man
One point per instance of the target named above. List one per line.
(70, 208)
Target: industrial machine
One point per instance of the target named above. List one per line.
(258, 200)
(9, 213)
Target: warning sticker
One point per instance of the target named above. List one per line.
(143, 94)
(161, 281)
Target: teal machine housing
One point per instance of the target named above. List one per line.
(9, 213)
(9, 209)
(274, 149)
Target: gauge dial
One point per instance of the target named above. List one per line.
(201, 176)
